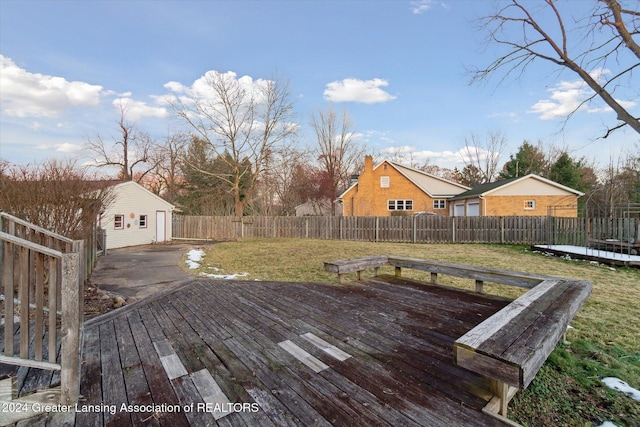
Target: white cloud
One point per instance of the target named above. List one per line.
(354, 90)
(420, 6)
(138, 109)
(25, 94)
(61, 148)
(68, 148)
(204, 88)
(567, 98)
(444, 158)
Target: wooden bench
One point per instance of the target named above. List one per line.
(512, 345)
(509, 347)
(356, 265)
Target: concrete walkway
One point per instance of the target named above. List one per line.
(141, 271)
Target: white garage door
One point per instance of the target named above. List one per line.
(458, 210)
(473, 209)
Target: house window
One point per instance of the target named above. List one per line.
(384, 182)
(529, 204)
(143, 221)
(118, 222)
(400, 205)
(439, 204)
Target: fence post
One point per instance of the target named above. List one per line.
(70, 330)
(377, 229)
(80, 247)
(413, 227)
(453, 229)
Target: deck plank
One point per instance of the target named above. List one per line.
(137, 387)
(159, 386)
(113, 386)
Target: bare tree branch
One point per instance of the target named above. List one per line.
(537, 42)
(134, 150)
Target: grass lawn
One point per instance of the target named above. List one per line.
(567, 390)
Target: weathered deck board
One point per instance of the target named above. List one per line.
(397, 333)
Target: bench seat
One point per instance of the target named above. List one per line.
(513, 344)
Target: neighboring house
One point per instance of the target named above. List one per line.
(529, 195)
(392, 188)
(135, 216)
(314, 208)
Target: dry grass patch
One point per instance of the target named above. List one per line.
(567, 390)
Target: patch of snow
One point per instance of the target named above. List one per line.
(582, 250)
(194, 256)
(224, 276)
(607, 424)
(619, 385)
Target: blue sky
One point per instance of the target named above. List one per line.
(399, 68)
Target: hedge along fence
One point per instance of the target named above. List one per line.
(423, 229)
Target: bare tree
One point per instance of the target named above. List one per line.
(134, 150)
(484, 154)
(336, 147)
(166, 179)
(605, 36)
(54, 195)
(240, 120)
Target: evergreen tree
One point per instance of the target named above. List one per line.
(471, 176)
(572, 173)
(529, 159)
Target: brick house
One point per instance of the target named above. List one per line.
(529, 195)
(390, 188)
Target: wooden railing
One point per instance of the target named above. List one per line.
(42, 291)
(509, 347)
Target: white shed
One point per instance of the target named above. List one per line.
(136, 216)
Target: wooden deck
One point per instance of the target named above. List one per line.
(377, 352)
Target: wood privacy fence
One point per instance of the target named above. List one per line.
(423, 229)
(43, 274)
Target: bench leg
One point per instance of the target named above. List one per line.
(359, 274)
(434, 278)
(376, 271)
(341, 278)
(501, 391)
(479, 284)
(398, 272)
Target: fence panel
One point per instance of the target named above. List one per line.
(527, 230)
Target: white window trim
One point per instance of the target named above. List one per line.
(436, 203)
(146, 221)
(115, 222)
(527, 207)
(385, 181)
(395, 205)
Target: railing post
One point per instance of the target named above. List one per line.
(70, 329)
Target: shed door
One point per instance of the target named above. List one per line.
(161, 226)
(473, 209)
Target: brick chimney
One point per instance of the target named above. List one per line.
(368, 164)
